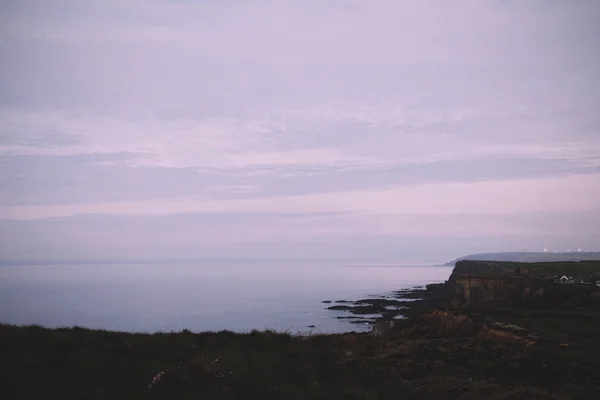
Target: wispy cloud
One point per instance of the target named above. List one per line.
(576, 193)
(377, 109)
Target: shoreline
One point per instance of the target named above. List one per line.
(437, 351)
(268, 298)
(398, 305)
(411, 302)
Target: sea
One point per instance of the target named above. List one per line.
(236, 296)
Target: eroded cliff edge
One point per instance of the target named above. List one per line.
(519, 302)
(525, 285)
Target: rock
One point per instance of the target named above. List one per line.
(453, 324)
(472, 290)
(380, 302)
(409, 294)
(340, 308)
(361, 309)
(363, 321)
(447, 323)
(381, 327)
(326, 302)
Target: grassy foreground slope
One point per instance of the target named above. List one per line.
(414, 361)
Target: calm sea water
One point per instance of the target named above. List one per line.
(238, 297)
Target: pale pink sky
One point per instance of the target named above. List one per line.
(400, 130)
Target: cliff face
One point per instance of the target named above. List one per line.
(475, 290)
(481, 281)
(507, 284)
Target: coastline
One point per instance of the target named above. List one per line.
(186, 297)
(437, 351)
(397, 305)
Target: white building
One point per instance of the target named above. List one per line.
(566, 279)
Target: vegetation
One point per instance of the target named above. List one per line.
(583, 269)
(410, 362)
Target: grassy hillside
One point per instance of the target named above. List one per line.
(411, 362)
(579, 269)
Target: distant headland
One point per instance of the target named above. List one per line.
(529, 256)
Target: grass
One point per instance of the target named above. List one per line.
(412, 362)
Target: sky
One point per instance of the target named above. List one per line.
(390, 130)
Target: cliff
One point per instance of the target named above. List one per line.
(483, 267)
(469, 291)
(522, 285)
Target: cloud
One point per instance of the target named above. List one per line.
(327, 137)
(66, 157)
(426, 108)
(253, 56)
(571, 193)
(353, 237)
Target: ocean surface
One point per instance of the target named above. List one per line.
(237, 296)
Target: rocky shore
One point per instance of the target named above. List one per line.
(406, 303)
